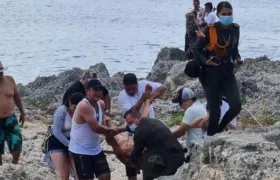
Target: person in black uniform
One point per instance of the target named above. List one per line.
(79, 86)
(156, 151)
(217, 52)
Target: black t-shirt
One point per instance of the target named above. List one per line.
(78, 87)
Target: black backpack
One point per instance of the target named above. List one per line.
(192, 69)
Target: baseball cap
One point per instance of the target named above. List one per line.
(183, 94)
(94, 83)
(129, 78)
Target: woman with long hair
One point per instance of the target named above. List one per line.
(57, 155)
(218, 55)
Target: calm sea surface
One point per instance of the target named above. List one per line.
(45, 37)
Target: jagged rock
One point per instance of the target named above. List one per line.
(46, 92)
(160, 70)
(169, 54)
(239, 155)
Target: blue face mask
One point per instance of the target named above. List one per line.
(226, 20)
(133, 128)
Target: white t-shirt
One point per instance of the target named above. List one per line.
(196, 111)
(200, 13)
(224, 109)
(126, 102)
(211, 18)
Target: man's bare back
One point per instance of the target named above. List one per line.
(7, 93)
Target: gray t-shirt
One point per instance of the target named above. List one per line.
(196, 111)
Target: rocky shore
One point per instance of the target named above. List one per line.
(248, 153)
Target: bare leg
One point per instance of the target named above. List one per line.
(61, 164)
(16, 155)
(105, 177)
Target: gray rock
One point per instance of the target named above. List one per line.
(160, 70)
(249, 155)
(46, 92)
(168, 54)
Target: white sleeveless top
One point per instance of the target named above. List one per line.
(83, 140)
(67, 125)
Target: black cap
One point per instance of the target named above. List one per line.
(94, 83)
(129, 78)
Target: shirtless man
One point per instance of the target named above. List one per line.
(9, 127)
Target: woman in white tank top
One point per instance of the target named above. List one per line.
(57, 153)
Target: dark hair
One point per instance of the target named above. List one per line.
(75, 98)
(223, 4)
(130, 78)
(209, 5)
(194, 99)
(196, 1)
(134, 113)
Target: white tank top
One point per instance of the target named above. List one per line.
(83, 140)
(67, 125)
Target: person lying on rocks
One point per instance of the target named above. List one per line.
(87, 125)
(10, 130)
(156, 151)
(122, 143)
(80, 86)
(203, 122)
(57, 155)
(193, 110)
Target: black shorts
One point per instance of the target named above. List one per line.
(131, 172)
(90, 166)
(54, 145)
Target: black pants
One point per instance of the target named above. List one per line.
(220, 81)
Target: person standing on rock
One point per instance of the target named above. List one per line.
(87, 125)
(58, 156)
(217, 67)
(199, 20)
(191, 27)
(156, 151)
(9, 128)
(80, 86)
(193, 110)
(199, 11)
(210, 15)
(133, 96)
